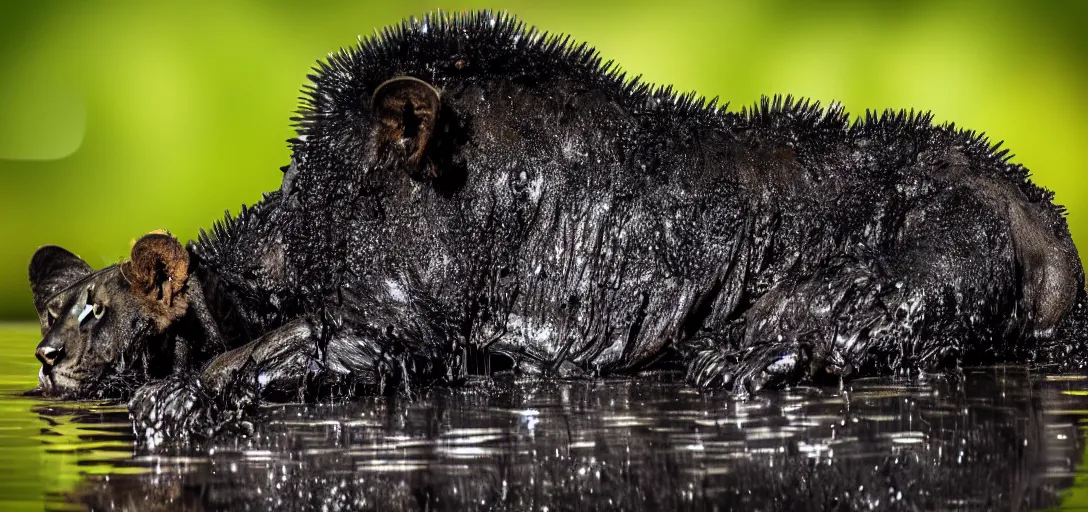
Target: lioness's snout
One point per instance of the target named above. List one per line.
(47, 353)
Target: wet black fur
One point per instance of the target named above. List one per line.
(568, 221)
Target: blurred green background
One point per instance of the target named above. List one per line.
(117, 118)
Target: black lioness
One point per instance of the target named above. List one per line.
(467, 196)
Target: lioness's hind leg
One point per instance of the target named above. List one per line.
(946, 292)
(854, 316)
(803, 329)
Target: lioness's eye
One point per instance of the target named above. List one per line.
(98, 309)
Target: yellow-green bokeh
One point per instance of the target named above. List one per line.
(117, 118)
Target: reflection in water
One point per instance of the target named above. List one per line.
(1000, 439)
(993, 442)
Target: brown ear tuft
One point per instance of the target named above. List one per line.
(406, 112)
(159, 269)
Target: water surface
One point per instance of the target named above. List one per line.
(1002, 438)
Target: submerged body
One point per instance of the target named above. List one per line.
(466, 196)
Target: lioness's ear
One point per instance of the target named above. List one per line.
(158, 270)
(53, 269)
(406, 112)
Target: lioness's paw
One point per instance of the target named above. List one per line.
(744, 373)
(179, 410)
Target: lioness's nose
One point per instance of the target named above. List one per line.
(47, 355)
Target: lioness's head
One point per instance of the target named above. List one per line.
(103, 331)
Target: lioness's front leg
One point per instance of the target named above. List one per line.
(279, 365)
(227, 389)
(303, 359)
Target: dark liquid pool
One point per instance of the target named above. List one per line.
(999, 439)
